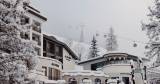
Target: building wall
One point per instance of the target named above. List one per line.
(117, 68)
(49, 63)
(68, 61)
(37, 33)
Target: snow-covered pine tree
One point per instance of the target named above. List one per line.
(17, 55)
(152, 29)
(111, 41)
(93, 49)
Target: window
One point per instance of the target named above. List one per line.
(97, 81)
(54, 74)
(97, 65)
(36, 38)
(44, 45)
(24, 35)
(51, 48)
(45, 70)
(50, 77)
(36, 26)
(58, 50)
(24, 20)
(57, 74)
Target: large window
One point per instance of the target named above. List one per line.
(54, 74)
(58, 50)
(51, 47)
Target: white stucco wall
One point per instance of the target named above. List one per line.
(68, 64)
(49, 63)
(117, 68)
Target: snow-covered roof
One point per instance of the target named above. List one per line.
(32, 10)
(113, 54)
(52, 38)
(84, 73)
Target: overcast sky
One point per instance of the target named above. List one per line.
(66, 16)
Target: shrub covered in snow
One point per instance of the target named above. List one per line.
(17, 56)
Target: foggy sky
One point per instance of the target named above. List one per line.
(65, 17)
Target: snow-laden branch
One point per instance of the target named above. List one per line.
(17, 56)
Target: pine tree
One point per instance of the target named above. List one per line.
(111, 41)
(152, 29)
(17, 56)
(93, 49)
